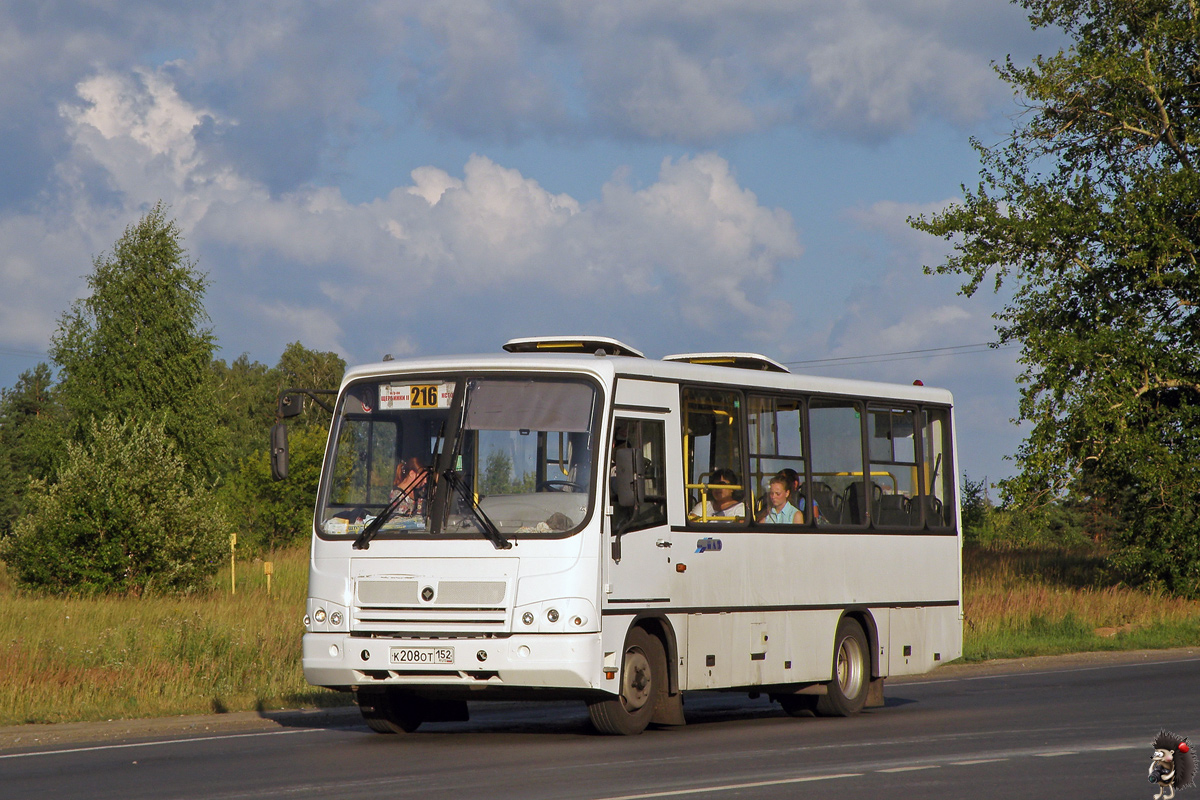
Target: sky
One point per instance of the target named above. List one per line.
(420, 177)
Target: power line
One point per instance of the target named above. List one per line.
(4, 351)
(903, 355)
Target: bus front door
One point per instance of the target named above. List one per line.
(639, 562)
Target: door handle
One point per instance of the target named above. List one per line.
(662, 543)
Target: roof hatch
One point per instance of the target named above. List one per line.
(571, 344)
(735, 360)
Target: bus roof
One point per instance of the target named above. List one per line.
(608, 368)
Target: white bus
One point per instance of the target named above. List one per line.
(571, 519)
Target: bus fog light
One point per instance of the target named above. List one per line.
(481, 655)
(527, 618)
(333, 651)
(319, 615)
(523, 651)
(552, 615)
(335, 618)
(365, 655)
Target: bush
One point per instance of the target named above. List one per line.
(125, 516)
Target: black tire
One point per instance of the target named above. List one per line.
(643, 679)
(847, 691)
(390, 711)
(798, 705)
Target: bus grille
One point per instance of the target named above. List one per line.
(428, 606)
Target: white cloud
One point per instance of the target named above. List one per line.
(695, 238)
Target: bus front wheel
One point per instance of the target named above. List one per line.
(847, 693)
(643, 678)
(390, 711)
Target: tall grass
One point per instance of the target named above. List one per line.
(106, 658)
(1042, 602)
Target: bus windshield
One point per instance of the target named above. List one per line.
(502, 457)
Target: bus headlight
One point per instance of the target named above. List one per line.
(559, 614)
(319, 615)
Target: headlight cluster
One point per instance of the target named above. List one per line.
(566, 615)
(323, 616)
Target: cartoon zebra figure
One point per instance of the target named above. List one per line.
(1172, 765)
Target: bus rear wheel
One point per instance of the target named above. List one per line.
(643, 679)
(847, 693)
(390, 711)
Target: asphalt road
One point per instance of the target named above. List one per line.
(1063, 728)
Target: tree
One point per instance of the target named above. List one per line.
(246, 393)
(137, 346)
(1090, 212)
(31, 440)
(301, 368)
(271, 514)
(126, 515)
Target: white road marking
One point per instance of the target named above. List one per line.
(98, 747)
(910, 769)
(732, 786)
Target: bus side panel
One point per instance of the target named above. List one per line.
(922, 638)
(756, 648)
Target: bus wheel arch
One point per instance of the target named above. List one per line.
(849, 684)
(643, 676)
(866, 621)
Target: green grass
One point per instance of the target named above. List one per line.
(1045, 602)
(92, 659)
(120, 657)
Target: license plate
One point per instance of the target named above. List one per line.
(402, 656)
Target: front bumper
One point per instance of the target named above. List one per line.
(529, 661)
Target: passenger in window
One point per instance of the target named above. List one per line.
(721, 502)
(411, 481)
(780, 510)
(795, 495)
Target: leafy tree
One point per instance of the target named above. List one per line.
(137, 346)
(246, 393)
(301, 368)
(125, 516)
(271, 514)
(1089, 212)
(31, 439)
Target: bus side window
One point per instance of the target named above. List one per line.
(712, 444)
(837, 460)
(647, 438)
(937, 471)
(776, 450)
(891, 444)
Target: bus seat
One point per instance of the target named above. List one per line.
(893, 510)
(823, 496)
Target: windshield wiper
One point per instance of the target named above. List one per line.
(486, 526)
(368, 533)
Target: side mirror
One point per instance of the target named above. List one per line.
(290, 405)
(629, 482)
(279, 451)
